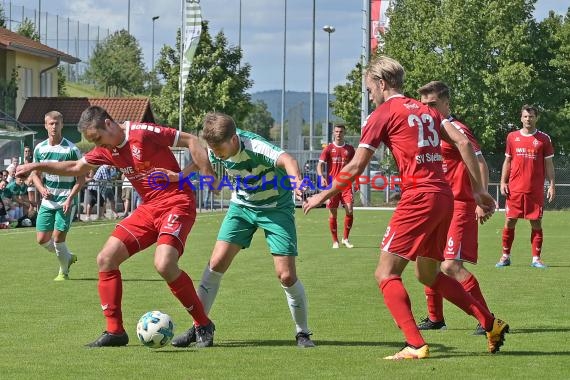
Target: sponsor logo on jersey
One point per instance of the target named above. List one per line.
(136, 152)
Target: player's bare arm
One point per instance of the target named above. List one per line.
(67, 168)
(345, 178)
(199, 154)
(483, 216)
(322, 174)
(462, 143)
(79, 183)
(505, 172)
(291, 166)
(549, 167)
(35, 177)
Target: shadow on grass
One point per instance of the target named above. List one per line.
(318, 343)
(539, 330)
(124, 279)
(435, 354)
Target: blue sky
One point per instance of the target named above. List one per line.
(261, 31)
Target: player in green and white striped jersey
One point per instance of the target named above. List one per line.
(262, 177)
(58, 193)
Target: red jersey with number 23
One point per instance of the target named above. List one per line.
(410, 130)
(146, 148)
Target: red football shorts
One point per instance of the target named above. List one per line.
(462, 235)
(345, 198)
(419, 226)
(160, 221)
(524, 206)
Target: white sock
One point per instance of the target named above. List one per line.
(297, 302)
(535, 259)
(63, 255)
(506, 256)
(49, 246)
(208, 288)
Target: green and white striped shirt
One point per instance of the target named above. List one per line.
(252, 176)
(58, 186)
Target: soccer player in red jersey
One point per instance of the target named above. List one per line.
(336, 155)
(528, 161)
(142, 152)
(419, 225)
(462, 235)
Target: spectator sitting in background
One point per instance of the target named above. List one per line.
(20, 200)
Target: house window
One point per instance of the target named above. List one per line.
(46, 84)
(28, 84)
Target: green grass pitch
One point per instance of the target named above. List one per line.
(45, 324)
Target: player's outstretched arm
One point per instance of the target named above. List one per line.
(67, 168)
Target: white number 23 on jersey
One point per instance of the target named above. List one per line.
(427, 134)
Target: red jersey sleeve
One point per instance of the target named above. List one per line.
(548, 147)
(373, 131)
(325, 154)
(98, 156)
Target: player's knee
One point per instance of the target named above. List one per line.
(451, 268)
(107, 261)
(287, 278)
(381, 275)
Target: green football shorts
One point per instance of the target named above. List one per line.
(240, 224)
(53, 219)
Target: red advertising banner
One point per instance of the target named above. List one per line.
(378, 23)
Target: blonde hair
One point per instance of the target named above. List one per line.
(218, 128)
(54, 115)
(387, 69)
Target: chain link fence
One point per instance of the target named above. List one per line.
(59, 32)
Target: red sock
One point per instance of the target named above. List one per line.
(333, 228)
(471, 286)
(452, 291)
(398, 302)
(434, 304)
(536, 242)
(184, 290)
(508, 237)
(347, 225)
(110, 288)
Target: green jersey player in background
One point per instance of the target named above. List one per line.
(57, 193)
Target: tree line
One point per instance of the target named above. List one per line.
(492, 53)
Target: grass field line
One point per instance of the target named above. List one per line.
(84, 225)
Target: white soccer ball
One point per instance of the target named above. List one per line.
(155, 329)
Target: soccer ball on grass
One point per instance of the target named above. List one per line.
(155, 329)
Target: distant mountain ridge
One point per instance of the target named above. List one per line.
(295, 99)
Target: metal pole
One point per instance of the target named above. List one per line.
(312, 100)
(364, 188)
(129, 17)
(239, 27)
(283, 94)
(182, 37)
(153, 20)
(329, 29)
(40, 19)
